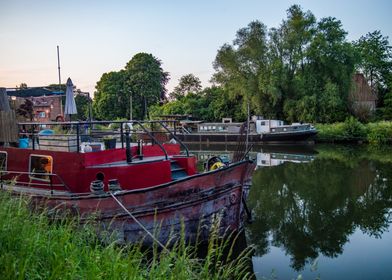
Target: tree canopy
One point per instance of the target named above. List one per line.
(142, 80)
(187, 83)
(301, 70)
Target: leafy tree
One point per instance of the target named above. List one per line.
(146, 81)
(187, 83)
(241, 67)
(83, 106)
(375, 58)
(111, 99)
(26, 110)
(22, 86)
(142, 80)
(328, 73)
(300, 71)
(211, 104)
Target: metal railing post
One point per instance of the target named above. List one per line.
(77, 137)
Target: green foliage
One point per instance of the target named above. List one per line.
(300, 71)
(353, 129)
(330, 132)
(211, 104)
(143, 80)
(380, 132)
(375, 58)
(111, 101)
(146, 81)
(83, 106)
(188, 83)
(33, 247)
(387, 110)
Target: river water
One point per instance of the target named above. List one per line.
(322, 212)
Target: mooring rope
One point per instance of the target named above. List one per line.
(138, 222)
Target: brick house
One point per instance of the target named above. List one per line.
(46, 103)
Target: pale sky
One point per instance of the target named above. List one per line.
(102, 36)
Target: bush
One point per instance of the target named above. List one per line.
(354, 129)
(330, 132)
(380, 132)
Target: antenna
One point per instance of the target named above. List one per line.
(58, 65)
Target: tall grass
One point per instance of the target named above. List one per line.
(34, 247)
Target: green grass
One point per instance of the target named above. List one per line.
(33, 247)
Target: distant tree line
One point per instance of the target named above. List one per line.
(299, 71)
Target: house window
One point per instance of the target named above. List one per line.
(3, 161)
(41, 115)
(41, 166)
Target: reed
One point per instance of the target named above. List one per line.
(34, 247)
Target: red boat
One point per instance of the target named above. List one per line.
(135, 189)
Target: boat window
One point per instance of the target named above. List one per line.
(262, 123)
(3, 161)
(40, 164)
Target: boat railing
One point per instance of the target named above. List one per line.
(21, 178)
(174, 136)
(68, 136)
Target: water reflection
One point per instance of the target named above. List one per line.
(263, 155)
(312, 209)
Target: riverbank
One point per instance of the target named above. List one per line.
(353, 131)
(33, 247)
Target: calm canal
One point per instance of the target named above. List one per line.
(322, 211)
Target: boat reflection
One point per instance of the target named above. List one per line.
(263, 155)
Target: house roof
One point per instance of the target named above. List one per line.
(361, 91)
(32, 92)
(42, 101)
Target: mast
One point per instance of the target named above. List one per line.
(58, 67)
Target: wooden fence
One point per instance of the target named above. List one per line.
(8, 127)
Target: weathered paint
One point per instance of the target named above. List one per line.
(192, 201)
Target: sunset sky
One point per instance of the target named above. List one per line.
(101, 36)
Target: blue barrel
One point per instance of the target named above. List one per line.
(23, 143)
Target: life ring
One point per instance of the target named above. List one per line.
(217, 165)
(59, 118)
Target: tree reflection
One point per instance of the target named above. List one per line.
(312, 209)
